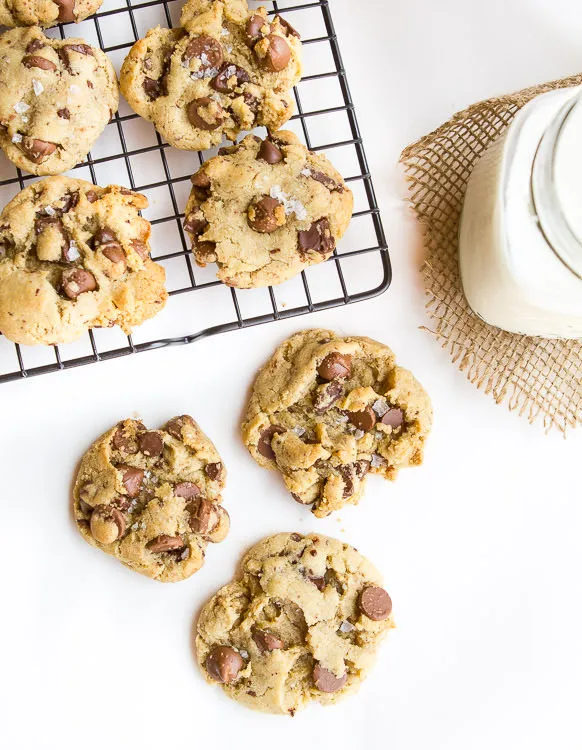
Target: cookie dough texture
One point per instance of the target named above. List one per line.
(223, 71)
(152, 498)
(302, 623)
(75, 256)
(57, 97)
(328, 410)
(45, 12)
(264, 210)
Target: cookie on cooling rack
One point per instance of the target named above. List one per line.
(152, 498)
(57, 97)
(302, 623)
(75, 256)
(225, 70)
(328, 410)
(265, 210)
(45, 12)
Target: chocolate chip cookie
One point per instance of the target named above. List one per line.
(152, 498)
(45, 12)
(57, 97)
(75, 256)
(302, 623)
(328, 410)
(264, 210)
(223, 71)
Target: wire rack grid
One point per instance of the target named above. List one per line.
(131, 153)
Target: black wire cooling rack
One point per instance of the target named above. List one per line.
(131, 153)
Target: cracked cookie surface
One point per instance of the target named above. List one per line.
(328, 410)
(264, 210)
(302, 623)
(225, 70)
(152, 498)
(75, 256)
(57, 97)
(45, 12)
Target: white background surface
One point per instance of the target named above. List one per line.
(480, 547)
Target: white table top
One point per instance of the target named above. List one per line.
(480, 547)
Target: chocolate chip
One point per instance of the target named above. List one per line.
(267, 641)
(193, 225)
(186, 490)
(348, 473)
(206, 49)
(269, 152)
(326, 396)
(363, 420)
(201, 180)
(205, 113)
(175, 425)
(223, 664)
(266, 214)
(151, 444)
(287, 26)
(326, 681)
(82, 49)
(114, 253)
(107, 524)
(76, 281)
(273, 53)
(264, 445)
(253, 28)
(318, 582)
(66, 115)
(35, 45)
(34, 61)
(317, 238)
(37, 150)
(165, 543)
(393, 417)
(205, 253)
(153, 88)
(361, 467)
(105, 240)
(203, 516)
(213, 471)
(123, 441)
(70, 200)
(132, 478)
(325, 180)
(66, 11)
(222, 82)
(296, 537)
(91, 195)
(335, 366)
(375, 603)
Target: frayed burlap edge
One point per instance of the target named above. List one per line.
(541, 378)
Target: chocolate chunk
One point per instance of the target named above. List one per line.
(66, 11)
(269, 152)
(375, 603)
(34, 61)
(194, 226)
(334, 366)
(361, 467)
(76, 281)
(114, 253)
(348, 473)
(287, 26)
(35, 45)
(206, 49)
(273, 53)
(201, 180)
(318, 582)
(222, 82)
(326, 396)
(223, 664)
(326, 180)
(326, 681)
(107, 524)
(140, 248)
(175, 425)
(165, 543)
(153, 88)
(213, 471)
(122, 441)
(205, 253)
(267, 641)
(37, 150)
(205, 113)
(82, 49)
(393, 417)
(151, 444)
(296, 537)
(253, 28)
(70, 200)
(91, 195)
(363, 420)
(317, 238)
(266, 215)
(203, 516)
(132, 478)
(187, 490)
(267, 435)
(66, 115)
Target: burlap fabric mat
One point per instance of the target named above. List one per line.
(542, 378)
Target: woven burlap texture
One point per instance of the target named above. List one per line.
(542, 378)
